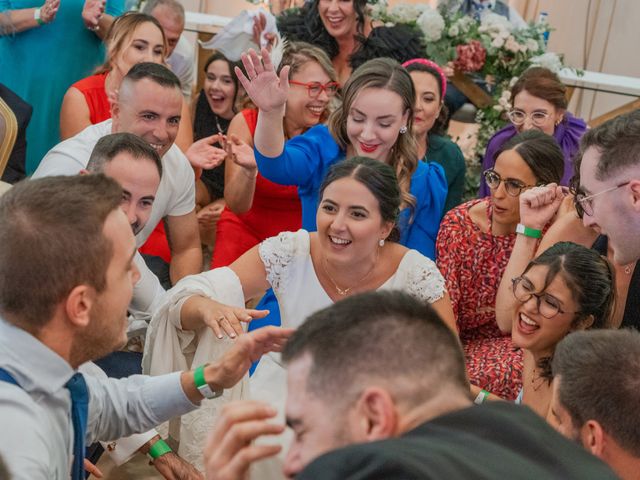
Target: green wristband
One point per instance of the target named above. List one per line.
(158, 449)
(528, 232)
(198, 376)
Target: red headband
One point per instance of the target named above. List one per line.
(435, 66)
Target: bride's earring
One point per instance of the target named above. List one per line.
(381, 242)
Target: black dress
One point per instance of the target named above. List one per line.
(631, 316)
(207, 123)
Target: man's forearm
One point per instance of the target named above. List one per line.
(187, 262)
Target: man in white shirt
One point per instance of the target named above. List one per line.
(66, 279)
(149, 105)
(180, 54)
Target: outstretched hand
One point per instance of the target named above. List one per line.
(246, 349)
(267, 91)
(538, 205)
(203, 154)
(242, 155)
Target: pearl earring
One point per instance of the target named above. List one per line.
(381, 242)
(403, 129)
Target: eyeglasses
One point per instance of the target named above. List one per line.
(518, 117)
(548, 306)
(315, 88)
(511, 185)
(584, 203)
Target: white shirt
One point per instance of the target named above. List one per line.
(176, 194)
(37, 431)
(182, 63)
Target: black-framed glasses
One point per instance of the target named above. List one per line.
(314, 89)
(513, 186)
(518, 117)
(548, 305)
(584, 203)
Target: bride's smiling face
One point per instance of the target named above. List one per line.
(349, 221)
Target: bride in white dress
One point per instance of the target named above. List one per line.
(353, 251)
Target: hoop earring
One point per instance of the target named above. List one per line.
(403, 129)
(381, 242)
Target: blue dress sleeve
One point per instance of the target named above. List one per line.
(115, 8)
(429, 187)
(302, 160)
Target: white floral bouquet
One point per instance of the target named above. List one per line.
(492, 50)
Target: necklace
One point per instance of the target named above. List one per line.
(345, 291)
(628, 268)
(218, 124)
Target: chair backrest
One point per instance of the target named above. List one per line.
(8, 133)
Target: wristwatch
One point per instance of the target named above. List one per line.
(202, 386)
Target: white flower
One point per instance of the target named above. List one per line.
(548, 60)
(377, 11)
(453, 31)
(432, 24)
(505, 100)
(492, 20)
(464, 24)
(499, 108)
(512, 82)
(405, 13)
(497, 42)
(532, 45)
(512, 44)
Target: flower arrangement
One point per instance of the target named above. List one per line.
(492, 50)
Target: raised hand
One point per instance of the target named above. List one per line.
(230, 449)
(267, 91)
(203, 154)
(92, 12)
(538, 205)
(49, 10)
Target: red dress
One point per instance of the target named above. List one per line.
(472, 262)
(276, 208)
(95, 95)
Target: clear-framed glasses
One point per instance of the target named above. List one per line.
(315, 88)
(518, 117)
(548, 305)
(513, 186)
(584, 203)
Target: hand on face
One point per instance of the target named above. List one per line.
(538, 205)
(267, 91)
(230, 450)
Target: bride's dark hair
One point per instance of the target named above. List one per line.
(380, 180)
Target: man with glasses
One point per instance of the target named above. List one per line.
(608, 192)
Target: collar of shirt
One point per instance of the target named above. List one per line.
(34, 365)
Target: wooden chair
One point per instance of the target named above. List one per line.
(8, 133)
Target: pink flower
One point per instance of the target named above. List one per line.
(470, 57)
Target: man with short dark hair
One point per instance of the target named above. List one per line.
(596, 394)
(149, 106)
(66, 277)
(377, 388)
(180, 54)
(608, 174)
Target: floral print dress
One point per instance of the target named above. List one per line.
(472, 262)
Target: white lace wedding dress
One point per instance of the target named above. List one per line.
(291, 273)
